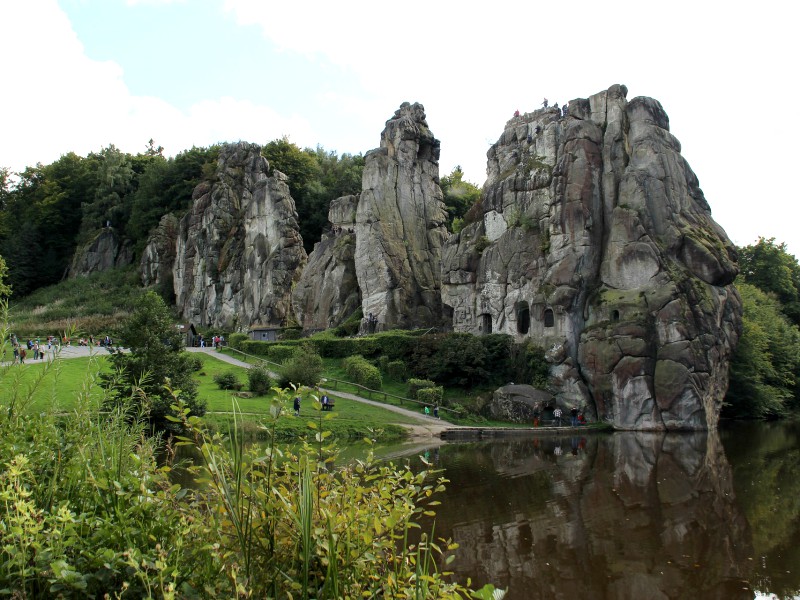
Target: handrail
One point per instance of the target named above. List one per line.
(369, 391)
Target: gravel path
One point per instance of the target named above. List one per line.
(426, 427)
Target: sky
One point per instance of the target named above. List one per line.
(79, 75)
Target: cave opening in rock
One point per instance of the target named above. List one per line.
(549, 319)
(486, 323)
(523, 318)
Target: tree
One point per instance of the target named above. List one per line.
(116, 181)
(165, 186)
(459, 196)
(156, 359)
(5, 289)
(764, 367)
(769, 266)
(315, 178)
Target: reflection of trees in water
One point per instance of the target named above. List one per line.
(629, 515)
(766, 463)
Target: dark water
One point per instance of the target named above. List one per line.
(628, 515)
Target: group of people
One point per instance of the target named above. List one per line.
(435, 411)
(327, 404)
(21, 350)
(576, 416)
(37, 349)
(217, 341)
(562, 111)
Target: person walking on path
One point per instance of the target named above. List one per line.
(297, 406)
(574, 414)
(557, 416)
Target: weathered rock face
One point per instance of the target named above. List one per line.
(239, 250)
(158, 257)
(105, 251)
(517, 403)
(400, 227)
(596, 241)
(327, 292)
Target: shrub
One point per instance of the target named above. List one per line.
(279, 352)
(259, 379)
(235, 340)
(453, 360)
(226, 381)
(431, 395)
(414, 385)
(362, 371)
(383, 363)
(303, 368)
(396, 369)
(293, 333)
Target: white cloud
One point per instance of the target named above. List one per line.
(59, 100)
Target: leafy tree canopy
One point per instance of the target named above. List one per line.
(315, 178)
(764, 368)
(459, 196)
(769, 266)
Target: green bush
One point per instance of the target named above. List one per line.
(414, 385)
(292, 333)
(396, 369)
(259, 379)
(235, 340)
(279, 352)
(362, 372)
(254, 347)
(383, 363)
(226, 381)
(431, 395)
(303, 368)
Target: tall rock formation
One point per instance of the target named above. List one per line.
(384, 246)
(400, 225)
(595, 241)
(103, 252)
(158, 257)
(238, 251)
(327, 292)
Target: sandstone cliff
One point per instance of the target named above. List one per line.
(103, 252)
(327, 292)
(400, 225)
(238, 250)
(383, 249)
(594, 240)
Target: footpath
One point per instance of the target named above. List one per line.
(424, 427)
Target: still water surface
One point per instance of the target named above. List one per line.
(627, 515)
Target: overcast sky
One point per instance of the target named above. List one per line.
(82, 74)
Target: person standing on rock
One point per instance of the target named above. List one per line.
(544, 103)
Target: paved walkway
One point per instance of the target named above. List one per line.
(424, 427)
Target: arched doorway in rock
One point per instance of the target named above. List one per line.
(548, 318)
(523, 317)
(615, 315)
(486, 323)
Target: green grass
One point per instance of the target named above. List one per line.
(57, 386)
(90, 305)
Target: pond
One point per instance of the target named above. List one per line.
(627, 515)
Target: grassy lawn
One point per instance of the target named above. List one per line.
(59, 385)
(337, 381)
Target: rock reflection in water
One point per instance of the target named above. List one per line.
(628, 515)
